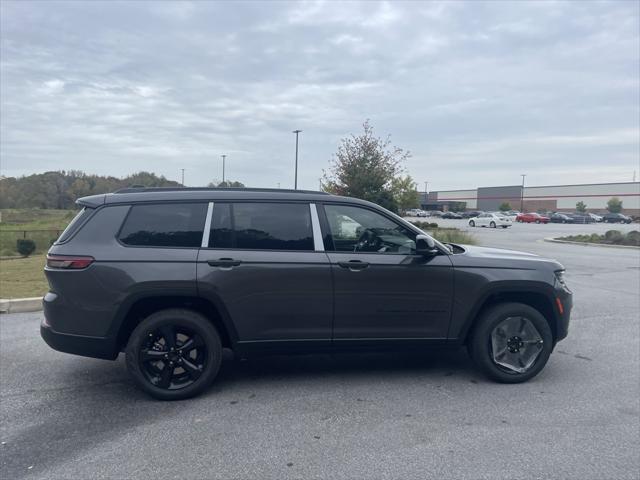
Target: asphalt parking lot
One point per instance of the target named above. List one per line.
(373, 416)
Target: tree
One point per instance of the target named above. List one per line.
(404, 192)
(614, 205)
(226, 184)
(364, 167)
(504, 207)
(581, 207)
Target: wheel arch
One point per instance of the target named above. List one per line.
(540, 299)
(137, 309)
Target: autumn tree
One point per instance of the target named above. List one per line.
(365, 166)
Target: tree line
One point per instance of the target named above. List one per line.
(62, 188)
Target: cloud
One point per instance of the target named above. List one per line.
(479, 92)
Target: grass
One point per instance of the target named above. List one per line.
(446, 235)
(40, 225)
(22, 277)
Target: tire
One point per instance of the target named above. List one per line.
(492, 224)
(472, 223)
(537, 221)
(479, 344)
(185, 324)
(564, 221)
(505, 226)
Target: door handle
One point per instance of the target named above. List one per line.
(224, 262)
(354, 265)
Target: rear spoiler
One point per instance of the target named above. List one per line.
(92, 201)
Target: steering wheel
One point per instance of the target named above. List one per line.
(368, 241)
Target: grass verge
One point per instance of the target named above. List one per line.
(23, 277)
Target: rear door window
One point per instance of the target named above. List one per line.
(261, 226)
(164, 225)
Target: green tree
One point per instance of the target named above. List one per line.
(614, 205)
(581, 207)
(364, 167)
(404, 192)
(226, 184)
(504, 207)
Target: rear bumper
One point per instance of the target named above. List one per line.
(96, 347)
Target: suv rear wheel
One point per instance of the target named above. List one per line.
(511, 342)
(174, 354)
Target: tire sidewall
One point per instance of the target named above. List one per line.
(479, 343)
(178, 317)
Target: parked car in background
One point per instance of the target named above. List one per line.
(594, 217)
(471, 214)
(531, 218)
(451, 215)
(561, 218)
(616, 218)
(415, 212)
(492, 220)
(581, 217)
(434, 213)
(511, 214)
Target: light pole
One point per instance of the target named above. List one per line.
(182, 176)
(522, 193)
(223, 159)
(295, 184)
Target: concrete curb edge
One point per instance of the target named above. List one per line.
(587, 244)
(20, 305)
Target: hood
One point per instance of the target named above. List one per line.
(501, 258)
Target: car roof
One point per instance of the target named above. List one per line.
(145, 195)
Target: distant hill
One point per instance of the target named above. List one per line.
(61, 189)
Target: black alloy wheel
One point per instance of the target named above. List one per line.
(174, 354)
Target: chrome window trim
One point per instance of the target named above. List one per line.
(318, 244)
(207, 226)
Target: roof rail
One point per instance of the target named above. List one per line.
(136, 189)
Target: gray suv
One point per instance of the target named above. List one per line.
(173, 276)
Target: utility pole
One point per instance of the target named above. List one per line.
(295, 184)
(223, 159)
(182, 176)
(278, 184)
(522, 193)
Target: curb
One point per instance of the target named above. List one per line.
(20, 305)
(587, 244)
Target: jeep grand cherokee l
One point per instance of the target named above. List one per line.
(173, 276)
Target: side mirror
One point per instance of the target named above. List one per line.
(425, 245)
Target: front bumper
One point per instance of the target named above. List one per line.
(96, 347)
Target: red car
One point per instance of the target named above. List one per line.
(531, 218)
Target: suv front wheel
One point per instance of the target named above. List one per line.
(511, 342)
(174, 354)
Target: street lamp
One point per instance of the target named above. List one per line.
(295, 184)
(223, 159)
(522, 193)
(182, 176)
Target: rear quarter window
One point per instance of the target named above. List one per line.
(75, 224)
(164, 225)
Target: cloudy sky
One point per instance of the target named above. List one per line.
(479, 92)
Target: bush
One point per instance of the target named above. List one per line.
(613, 236)
(25, 246)
(425, 225)
(633, 238)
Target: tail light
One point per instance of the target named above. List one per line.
(69, 262)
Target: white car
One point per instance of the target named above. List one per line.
(415, 212)
(493, 220)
